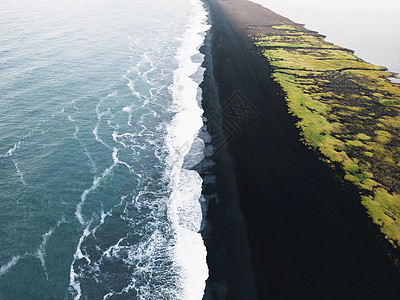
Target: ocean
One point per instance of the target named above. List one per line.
(100, 127)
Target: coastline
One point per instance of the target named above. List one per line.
(306, 235)
(224, 234)
(374, 44)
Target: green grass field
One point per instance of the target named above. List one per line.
(347, 109)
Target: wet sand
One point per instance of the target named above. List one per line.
(284, 226)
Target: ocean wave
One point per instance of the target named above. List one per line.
(185, 210)
(100, 115)
(158, 250)
(143, 252)
(13, 261)
(96, 181)
(19, 172)
(74, 277)
(39, 253)
(91, 162)
(195, 155)
(81, 253)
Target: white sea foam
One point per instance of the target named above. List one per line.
(130, 141)
(91, 162)
(95, 184)
(147, 256)
(149, 70)
(96, 135)
(4, 269)
(12, 150)
(127, 109)
(131, 84)
(184, 207)
(79, 254)
(188, 207)
(100, 115)
(118, 161)
(41, 251)
(74, 277)
(195, 155)
(76, 132)
(104, 215)
(125, 290)
(19, 172)
(113, 250)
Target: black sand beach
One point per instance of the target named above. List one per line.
(284, 226)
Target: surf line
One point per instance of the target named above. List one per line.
(184, 208)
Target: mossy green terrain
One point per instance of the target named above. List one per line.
(347, 109)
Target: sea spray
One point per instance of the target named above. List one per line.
(185, 211)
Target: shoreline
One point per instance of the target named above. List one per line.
(224, 234)
(306, 234)
(372, 43)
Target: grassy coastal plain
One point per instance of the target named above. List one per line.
(287, 226)
(347, 109)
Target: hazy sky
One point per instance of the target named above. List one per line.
(370, 27)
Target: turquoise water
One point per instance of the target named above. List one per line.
(98, 110)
